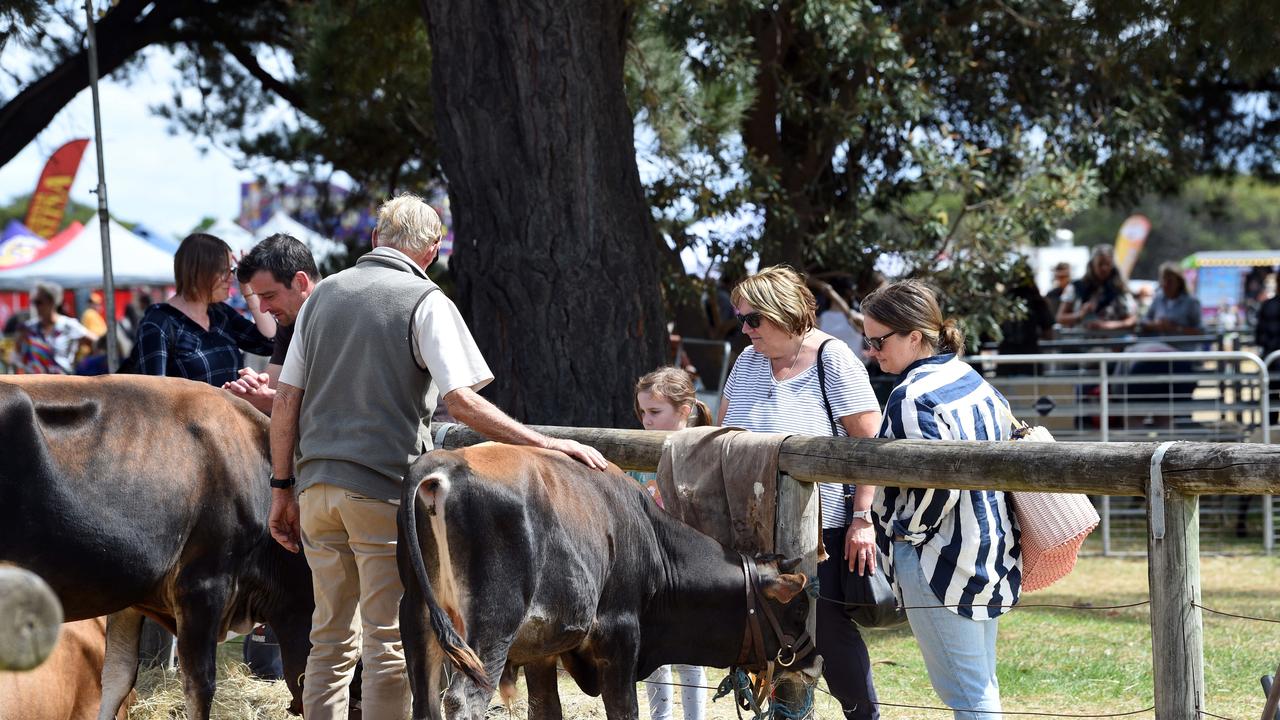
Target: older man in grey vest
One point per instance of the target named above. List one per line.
(373, 348)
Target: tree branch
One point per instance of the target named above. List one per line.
(244, 55)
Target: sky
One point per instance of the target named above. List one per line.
(153, 177)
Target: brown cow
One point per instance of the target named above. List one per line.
(68, 686)
(134, 495)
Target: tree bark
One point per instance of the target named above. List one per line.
(554, 258)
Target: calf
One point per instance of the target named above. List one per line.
(68, 685)
(533, 558)
(134, 495)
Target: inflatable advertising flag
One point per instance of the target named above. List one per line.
(49, 201)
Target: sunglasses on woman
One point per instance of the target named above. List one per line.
(877, 343)
(752, 320)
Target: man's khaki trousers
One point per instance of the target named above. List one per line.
(350, 543)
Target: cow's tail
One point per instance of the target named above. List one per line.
(453, 645)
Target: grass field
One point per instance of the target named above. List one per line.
(1061, 661)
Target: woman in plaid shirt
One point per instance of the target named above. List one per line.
(195, 334)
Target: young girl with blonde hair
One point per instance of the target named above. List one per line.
(666, 400)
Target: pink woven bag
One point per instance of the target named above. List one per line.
(1053, 526)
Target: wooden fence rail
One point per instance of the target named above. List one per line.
(1170, 475)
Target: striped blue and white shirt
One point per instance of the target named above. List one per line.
(967, 540)
(759, 403)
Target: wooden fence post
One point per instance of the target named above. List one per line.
(30, 618)
(1177, 642)
(795, 534)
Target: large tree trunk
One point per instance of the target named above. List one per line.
(555, 265)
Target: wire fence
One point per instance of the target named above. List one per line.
(765, 712)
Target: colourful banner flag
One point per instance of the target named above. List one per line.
(1129, 242)
(49, 201)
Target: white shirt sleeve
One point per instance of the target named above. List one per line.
(293, 372)
(444, 344)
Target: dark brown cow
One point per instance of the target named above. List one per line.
(534, 558)
(68, 685)
(134, 495)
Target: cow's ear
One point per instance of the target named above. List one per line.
(784, 588)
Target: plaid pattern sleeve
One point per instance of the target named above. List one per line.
(153, 343)
(171, 344)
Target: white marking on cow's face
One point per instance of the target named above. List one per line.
(758, 489)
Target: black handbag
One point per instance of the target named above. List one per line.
(869, 599)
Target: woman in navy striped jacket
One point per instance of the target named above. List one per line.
(953, 554)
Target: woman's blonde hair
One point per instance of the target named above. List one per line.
(780, 294)
(676, 387)
(909, 305)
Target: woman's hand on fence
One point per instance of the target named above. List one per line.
(860, 547)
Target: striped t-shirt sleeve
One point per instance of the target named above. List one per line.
(848, 386)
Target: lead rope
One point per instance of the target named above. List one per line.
(744, 698)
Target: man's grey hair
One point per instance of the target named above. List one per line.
(407, 223)
(52, 289)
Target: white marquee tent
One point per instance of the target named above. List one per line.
(238, 238)
(78, 264)
(322, 248)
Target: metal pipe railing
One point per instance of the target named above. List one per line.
(1105, 378)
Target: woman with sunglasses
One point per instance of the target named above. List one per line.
(774, 387)
(49, 342)
(195, 334)
(953, 555)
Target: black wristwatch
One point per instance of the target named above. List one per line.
(284, 484)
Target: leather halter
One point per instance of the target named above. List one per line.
(753, 655)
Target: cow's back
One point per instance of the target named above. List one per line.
(106, 483)
(68, 686)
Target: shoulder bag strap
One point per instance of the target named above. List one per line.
(822, 384)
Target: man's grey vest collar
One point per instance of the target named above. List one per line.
(394, 259)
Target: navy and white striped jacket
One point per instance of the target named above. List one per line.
(967, 540)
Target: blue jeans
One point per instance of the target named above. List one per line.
(959, 652)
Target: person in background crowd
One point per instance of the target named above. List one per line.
(195, 334)
(665, 400)
(774, 387)
(1061, 279)
(833, 320)
(136, 308)
(1174, 311)
(1101, 299)
(49, 342)
(953, 548)
(95, 363)
(92, 317)
(1022, 335)
(281, 273)
(373, 348)
(1267, 327)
